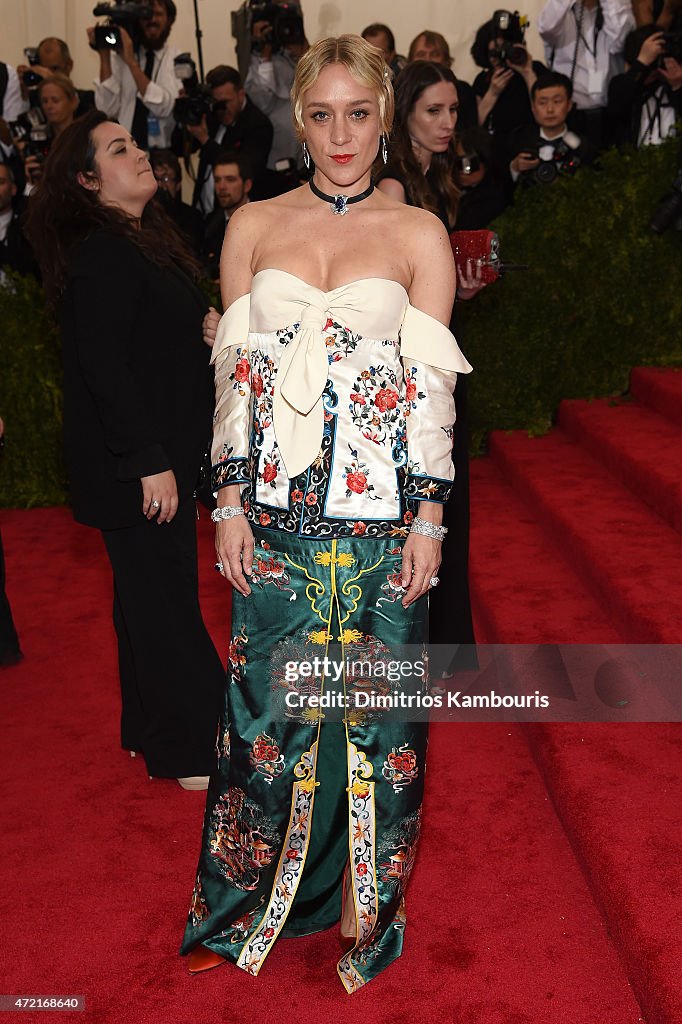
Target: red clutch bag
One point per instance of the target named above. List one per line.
(482, 248)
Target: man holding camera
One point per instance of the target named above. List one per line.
(550, 149)
(137, 84)
(235, 123)
(646, 101)
(584, 40)
(268, 83)
(51, 57)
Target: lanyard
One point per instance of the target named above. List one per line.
(592, 50)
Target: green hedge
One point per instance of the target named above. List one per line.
(602, 294)
(31, 464)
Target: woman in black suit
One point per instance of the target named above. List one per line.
(138, 402)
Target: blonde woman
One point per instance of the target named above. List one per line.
(331, 461)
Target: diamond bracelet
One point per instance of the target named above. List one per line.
(427, 529)
(225, 513)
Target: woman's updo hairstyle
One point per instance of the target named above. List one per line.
(364, 62)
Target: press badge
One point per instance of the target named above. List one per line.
(153, 129)
(595, 82)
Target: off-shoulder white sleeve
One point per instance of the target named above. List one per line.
(230, 358)
(431, 361)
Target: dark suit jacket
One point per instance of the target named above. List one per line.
(628, 94)
(15, 252)
(250, 134)
(138, 388)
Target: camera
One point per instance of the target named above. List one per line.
(511, 28)
(32, 131)
(673, 46)
(564, 161)
(285, 26)
(31, 78)
(467, 163)
(127, 14)
(197, 102)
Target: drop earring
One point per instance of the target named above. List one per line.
(306, 157)
(384, 147)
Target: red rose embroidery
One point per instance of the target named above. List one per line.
(257, 384)
(356, 482)
(297, 495)
(405, 762)
(411, 391)
(264, 519)
(268, 933)
(270, 472)
(292, 854)
(311, 498)
(355, 397)
(362, 869)
(265, 546)
(359, 529)
(241, 370)
(386, 399)
(408, 517)
(329, 323)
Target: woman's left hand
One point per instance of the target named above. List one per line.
(421, 560)
(210, 326)
(471, 281)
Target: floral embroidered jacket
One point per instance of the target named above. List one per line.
(334, 410)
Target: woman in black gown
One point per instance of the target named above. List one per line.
(420, 173)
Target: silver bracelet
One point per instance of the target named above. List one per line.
(225, 513)
(426, 529)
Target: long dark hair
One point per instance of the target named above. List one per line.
(61, 213)
(437, 190)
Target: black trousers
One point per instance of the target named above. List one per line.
(9, 641)
(171, 676)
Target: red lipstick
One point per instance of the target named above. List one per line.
(343, 158)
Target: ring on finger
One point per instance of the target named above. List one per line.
(156, 504)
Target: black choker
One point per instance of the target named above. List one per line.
(339, 204)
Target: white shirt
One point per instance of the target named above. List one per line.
(117, 94)
(598, 51)
(657, 121)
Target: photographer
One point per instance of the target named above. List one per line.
(268, 83)
(15, 252)
(503, 87)
(12, 105)
(550, 149)
(52, 57)
(138, 86)
(382, 37)
(584, 40)
(168, 174)
(483, 196)
(58, 102)
(235, 123)
(646, 101)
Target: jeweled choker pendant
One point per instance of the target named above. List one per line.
(339, 204)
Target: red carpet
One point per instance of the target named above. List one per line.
(547, 889)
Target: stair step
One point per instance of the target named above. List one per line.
(660, 389)
(556, 605)
(638, 446)
(616, 790)
(627, 555)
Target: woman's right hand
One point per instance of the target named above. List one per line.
(234, 546)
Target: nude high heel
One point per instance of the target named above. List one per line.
(203, 959)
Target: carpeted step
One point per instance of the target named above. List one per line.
(624, 552)
(523, 589)
(616, 789)
(660, 389)
(637, 445)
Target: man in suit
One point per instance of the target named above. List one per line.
(548, 149)
(15, 252)
(237, 125)
(233, 182)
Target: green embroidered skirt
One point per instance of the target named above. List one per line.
(301, 791)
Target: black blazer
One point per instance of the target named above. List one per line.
(251, 134)
(138, 388)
